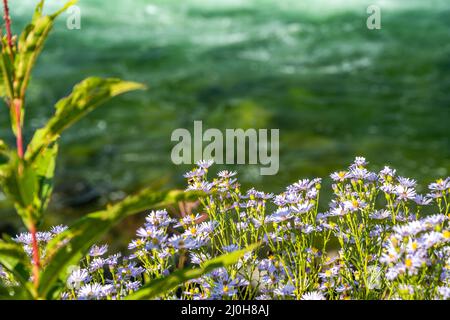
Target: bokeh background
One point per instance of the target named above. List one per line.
(308, 67)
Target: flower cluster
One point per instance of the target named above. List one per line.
(42, 238)
(379, 238)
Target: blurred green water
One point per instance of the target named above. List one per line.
(310, 68)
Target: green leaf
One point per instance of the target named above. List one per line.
(6, 88)
(6, 293)
(2, 82)
(85, 97)
(29, 185)
(31, 43)
(3, 172)
(89, 229)
(20, 184)
(44, 167)
(38, 10)
(160, 286)
(14, 293)
(14, 259)
(4, 149)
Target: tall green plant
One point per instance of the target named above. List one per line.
(26, 175)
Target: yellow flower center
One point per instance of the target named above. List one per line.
(394, 242)
(342, 174)
(408, 263)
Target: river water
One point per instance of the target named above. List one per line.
(310, 68)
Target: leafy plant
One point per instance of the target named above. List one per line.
(26, 175)
(384, 248)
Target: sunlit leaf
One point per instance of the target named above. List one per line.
(160, 286)
(29, 185)
(20, 183)
(44, 167)
(30, 44)
(6, 86)
(85, 97)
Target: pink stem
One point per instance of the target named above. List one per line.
(7, 23)
(36, 258)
